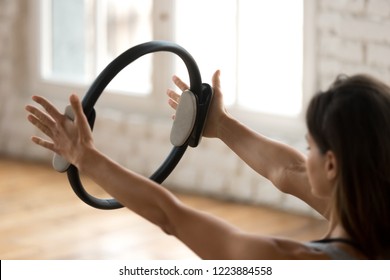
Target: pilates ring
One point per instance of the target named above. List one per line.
(187, 127)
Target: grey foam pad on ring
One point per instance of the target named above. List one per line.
(184, 120)
(59, 163)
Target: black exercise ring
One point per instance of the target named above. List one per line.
(96, 90)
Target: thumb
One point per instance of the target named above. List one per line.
(216, 80)
(76, 105)
(78, 111)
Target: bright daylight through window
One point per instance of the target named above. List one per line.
(257, 45)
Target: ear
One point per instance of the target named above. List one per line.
(331, 166)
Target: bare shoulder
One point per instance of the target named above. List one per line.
(250, 246)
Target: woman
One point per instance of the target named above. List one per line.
(345, 175)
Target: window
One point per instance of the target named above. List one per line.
(82, 37)
(258, 45)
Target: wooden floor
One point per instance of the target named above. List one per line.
(41, 218)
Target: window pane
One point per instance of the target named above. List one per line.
(207, 29)
(83, 37)
(67, 41)
(270, 56)
(257, 45)
(129, 23)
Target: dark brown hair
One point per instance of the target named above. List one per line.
(352, 119)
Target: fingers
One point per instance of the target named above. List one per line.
(51, 122)
(44, 121)
(68, 134)
(43, 143)
(179, 83)
(40, 119)
(173, 95)
(49, 108)
(38, 123)
(174, 98)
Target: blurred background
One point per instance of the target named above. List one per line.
(273, 56)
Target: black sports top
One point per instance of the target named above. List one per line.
(327, 246)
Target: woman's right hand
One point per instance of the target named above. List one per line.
(70, 139)
(217, 110)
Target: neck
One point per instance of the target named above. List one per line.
(336, 230)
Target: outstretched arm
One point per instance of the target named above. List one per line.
(283, 165)
(207, 236)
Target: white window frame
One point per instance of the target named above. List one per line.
(155, 104)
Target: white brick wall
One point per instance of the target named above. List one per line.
(4, 66)
(345, 6)
(352, 36)
(378, 8)
(14, 130)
